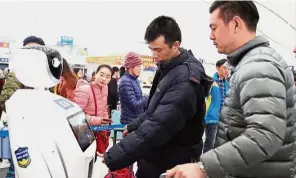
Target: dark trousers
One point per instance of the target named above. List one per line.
(211, 132)
(148, 170)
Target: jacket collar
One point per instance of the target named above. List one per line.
(216, 77)
(165, 67)
(131, 76)
(235, 57)
(95, 85)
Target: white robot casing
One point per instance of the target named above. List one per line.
(49, 135)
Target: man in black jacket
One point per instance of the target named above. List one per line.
(113, 90)
(170, 131)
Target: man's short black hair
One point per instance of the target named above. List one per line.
(115, 69)
(121, 71)
(163, 26)
(220, 62)
(33, 39)
(246, 10)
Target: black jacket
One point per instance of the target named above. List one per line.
(112, 94)
(168, 133)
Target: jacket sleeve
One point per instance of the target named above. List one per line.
(81, 97)
(10, 86)
(127, 92)
(134, 125)
(157, 129)
(262, 92)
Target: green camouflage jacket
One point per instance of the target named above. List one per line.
(10, 86)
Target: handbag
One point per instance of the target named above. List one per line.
(121, 173)
(102, 136)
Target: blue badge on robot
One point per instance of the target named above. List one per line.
(23, 157)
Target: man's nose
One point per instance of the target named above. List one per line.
(212, 37)
(154, 54)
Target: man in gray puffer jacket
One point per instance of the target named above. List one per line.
(257, 132)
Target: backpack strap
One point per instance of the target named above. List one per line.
(95, 99)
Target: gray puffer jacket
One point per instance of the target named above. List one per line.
(256, 134)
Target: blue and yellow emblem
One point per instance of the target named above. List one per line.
(23, 157)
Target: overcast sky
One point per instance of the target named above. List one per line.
(110, 28)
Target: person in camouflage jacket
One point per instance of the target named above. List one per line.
(10, 86)
(11, 82)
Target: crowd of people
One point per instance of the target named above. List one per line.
(248, 119)
(96, 97)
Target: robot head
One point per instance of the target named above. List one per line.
(37, 66)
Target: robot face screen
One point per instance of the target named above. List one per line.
(81, 130)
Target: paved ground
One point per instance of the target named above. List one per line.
(100, 170)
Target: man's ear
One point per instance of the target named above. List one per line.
(176, 45)
(238, 23)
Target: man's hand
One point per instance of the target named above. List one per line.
(125, 132)
(191, 170)
(101, 156)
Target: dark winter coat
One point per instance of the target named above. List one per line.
(257, 130)
(170, 131)
(132, 101)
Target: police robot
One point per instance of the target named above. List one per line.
(49, 135)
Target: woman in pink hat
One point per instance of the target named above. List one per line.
(133, 103)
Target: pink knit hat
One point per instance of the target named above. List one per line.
(132, 60)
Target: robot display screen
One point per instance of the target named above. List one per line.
(81, 130)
